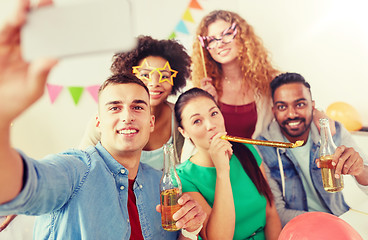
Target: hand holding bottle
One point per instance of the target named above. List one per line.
(332, 182)
(190, 215)
(347, 161)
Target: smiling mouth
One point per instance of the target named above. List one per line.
(155, 93)
(224, 51)
(127, 131)
(293, 124)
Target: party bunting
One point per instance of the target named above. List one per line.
(93, 90)
(54, 91)
(194, 4)
(181, 27)
(188, 16)
(76, 93)
(172, 35)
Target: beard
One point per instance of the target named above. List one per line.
(298, 131)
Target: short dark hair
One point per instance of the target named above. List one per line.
(122, 78)
(170, 50)
(286, 78)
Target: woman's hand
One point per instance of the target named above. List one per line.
(318, 114)
(206, 84)
(220, 152)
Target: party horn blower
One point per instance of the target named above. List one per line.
(263, 142)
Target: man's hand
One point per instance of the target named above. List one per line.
(21, 83)
(347, 161)
(190, 216)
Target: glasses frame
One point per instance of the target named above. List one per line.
(205, 39)
(167, 67)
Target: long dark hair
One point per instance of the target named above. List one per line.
(245, 156)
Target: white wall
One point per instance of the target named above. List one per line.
(324, 40)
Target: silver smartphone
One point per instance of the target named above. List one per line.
(93, 26)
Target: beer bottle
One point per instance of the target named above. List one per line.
(326, 152)
(170, 189)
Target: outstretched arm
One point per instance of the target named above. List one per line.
(21, 84)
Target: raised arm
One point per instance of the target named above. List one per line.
(21, 84)
(220, 221)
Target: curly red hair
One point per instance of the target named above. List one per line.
(256, 68)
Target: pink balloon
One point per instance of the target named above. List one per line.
(318, 225)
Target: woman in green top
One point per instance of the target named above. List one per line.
(227, 179)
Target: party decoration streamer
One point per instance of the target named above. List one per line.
(188, 16)
(93, 90)
(54, 91)
(180, 27)
(76, 93)
(195, 4)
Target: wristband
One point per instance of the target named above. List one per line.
(191, 235)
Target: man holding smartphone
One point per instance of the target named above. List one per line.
(83, 195)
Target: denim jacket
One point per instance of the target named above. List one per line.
(84, 195)
(283, 172)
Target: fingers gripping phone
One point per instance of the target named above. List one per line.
(94, 26)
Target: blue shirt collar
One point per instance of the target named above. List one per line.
(114, 166)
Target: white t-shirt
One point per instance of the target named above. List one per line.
(302, 155)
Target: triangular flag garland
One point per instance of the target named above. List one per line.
(172, 35)
(187, 17)
(93, 90)
(54, 91)
(75, 91)
(180, 27)
(194, 4)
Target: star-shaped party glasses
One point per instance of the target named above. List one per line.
(145, 72)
